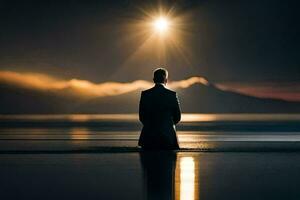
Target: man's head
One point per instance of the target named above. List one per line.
(160, 75)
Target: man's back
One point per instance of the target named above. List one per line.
(159, 112)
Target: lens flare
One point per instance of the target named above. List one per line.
(159, 34)
(161, 25)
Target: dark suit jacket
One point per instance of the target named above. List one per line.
(159, 111)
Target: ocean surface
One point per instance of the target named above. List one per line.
(195, 131)
(222, 156)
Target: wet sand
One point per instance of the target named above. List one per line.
(154, 175)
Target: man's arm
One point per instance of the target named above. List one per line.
(142, 109)
(176, 111)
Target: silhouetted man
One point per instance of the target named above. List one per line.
(159, 112)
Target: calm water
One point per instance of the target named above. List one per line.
(162, 176)
(46, 157)
(122, 130)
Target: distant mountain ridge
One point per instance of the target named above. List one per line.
(198, 98)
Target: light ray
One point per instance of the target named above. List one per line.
(161, 32)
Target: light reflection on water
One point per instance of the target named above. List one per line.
(194, 117)
(186, 187)
(186, 117)
(80, 134)
(195, 130)
(169, 175)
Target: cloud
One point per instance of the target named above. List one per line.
(45, 82)
(188, 82)
(85, 88)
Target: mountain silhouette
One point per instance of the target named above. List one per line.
(197, 98)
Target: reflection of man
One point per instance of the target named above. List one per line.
(158, 174)
(159, 111)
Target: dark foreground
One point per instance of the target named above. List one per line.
(154, 175)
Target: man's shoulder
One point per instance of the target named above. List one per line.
(166, 90)
(147, 91)
(170, 91)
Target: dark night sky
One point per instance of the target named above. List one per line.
(240, 41)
